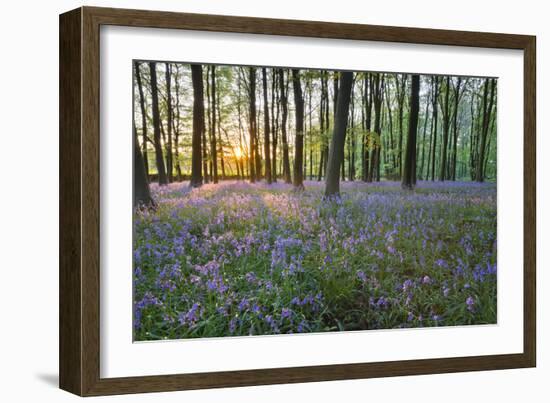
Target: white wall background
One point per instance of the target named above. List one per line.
(29, 198)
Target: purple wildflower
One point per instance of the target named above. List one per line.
(470, 304)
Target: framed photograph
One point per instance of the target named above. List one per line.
(249, 201)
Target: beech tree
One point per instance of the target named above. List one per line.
(198, 124)
(142, 195)
(409, 170)
(445, 108)
(488, 100)
(378, 84)
(162, 179)
(284, 107)
(252, 123)
(457, 97)
(434, 131)
(336, 150)
(266, 129)
(213, 141)
(299, 139)
(275, 109)
(143, 117)
(169, 123)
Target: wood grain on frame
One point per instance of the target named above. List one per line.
(79, 200)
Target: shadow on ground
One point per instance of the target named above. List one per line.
(49, 379)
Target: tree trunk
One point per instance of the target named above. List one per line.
(275, 123)
(423, 143)
(400, 89)
(266, 130)
(252, 122)
(434, 134)
(488, 99)
(176, 124)
(324, 122)
(351, 152)
(198, 125)
(336, 151)
(409, 170)
(299, 137)
(205, 141)
(391, 147)
(143, 120)
(310, 92)
(455, 128)
(142, 195)
(242, 146)
(156, 125)
(213, 140)
(284, 107)
(489, 135)
(219, 141)
(169, 123)
(378, 84)
(446, 125)
(368, 118)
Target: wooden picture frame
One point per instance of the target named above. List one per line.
(79, 346)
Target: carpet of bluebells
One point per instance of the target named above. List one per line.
(239, 259)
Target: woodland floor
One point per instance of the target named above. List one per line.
(252, 259)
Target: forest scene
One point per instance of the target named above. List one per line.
(275, 200)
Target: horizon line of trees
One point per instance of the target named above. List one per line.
(208, 123)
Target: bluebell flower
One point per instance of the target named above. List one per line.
(470, 304)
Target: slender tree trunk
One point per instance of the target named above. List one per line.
(299, 138)
(378, 84)
(198, 124)
(205, 155)
(400, 88)
(446, 125)
(325, 123)
(434, 134)
(368, 118)
(275, 123)
(176, 125)
(284, 107)
(213, 140)
(336, 153)
(363, 135)
(310, 93)
(409, 172)
(266, 130)
(156, 125)
(143, 119)
(252, 122)
(169, 124)
(321, 128)
(351, 170)
(219, 139)
(242, 146)
(455, 127)
(475, 110)
(335, 103)
(423, 144)
(391, 144)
